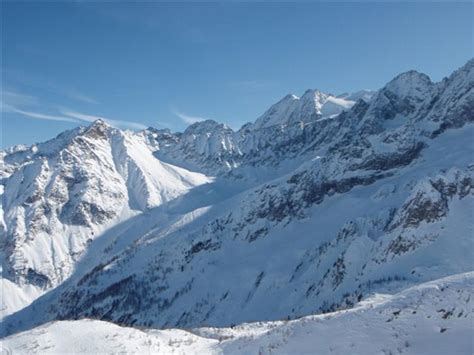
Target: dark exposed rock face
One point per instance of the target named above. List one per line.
(201, 246)
(430, 200)
(35, 278)
(397, 159)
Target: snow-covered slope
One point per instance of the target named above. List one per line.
(313, 104)
(315, 252)
(432, 318)
(59, 195)
(318, 204)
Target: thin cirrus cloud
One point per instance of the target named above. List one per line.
(15, 102)
(15, 98)
(78, 96)
(188, 119)
(67, 116)
(91, 118)
(20, 78)
(25, 105)
(37, 115)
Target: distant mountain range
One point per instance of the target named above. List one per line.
(320, 203)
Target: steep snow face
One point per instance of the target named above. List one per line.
(311, 105)
(412, 84)
(279, 112)
(150, 182)
(59, 195)
(205, 145)
(431, 318)
(408, 95)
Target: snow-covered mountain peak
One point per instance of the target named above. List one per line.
(468, 68)
(409, 94)
(313, 94)
(206, 127)
(411, 84)
(100, 123)
(99, 129)
(462, 77)
(287, 98)
(293, 109)
(313, 99)
(277, 113)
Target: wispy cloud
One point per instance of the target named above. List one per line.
(37, 115)
(20, 78)
(15, 102)
(15, 98)
(188, 118)
(78, 96)
(71, 116)
(91, 118)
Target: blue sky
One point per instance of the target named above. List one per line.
(166, 65)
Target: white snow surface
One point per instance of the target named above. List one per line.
(293, 108)
(430, 318)
(59, 196)
(322, 202)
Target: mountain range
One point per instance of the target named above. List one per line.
(328, 212)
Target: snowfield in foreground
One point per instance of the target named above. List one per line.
(431, 318)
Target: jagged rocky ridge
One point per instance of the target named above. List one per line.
(328, 209)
